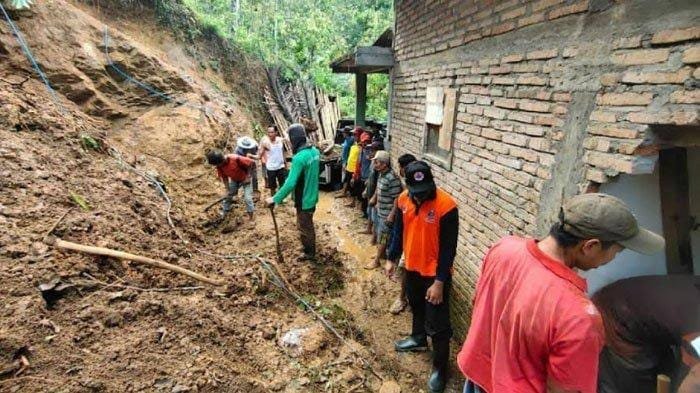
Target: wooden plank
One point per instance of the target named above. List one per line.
(675, 209)
(374, 56)
(448, 120)
(434, 96)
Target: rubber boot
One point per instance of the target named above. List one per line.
(441, 355)
(412, 344)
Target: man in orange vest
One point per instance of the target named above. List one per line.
(428, 222)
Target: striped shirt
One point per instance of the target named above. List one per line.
(388, 189)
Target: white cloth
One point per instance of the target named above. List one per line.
(275, 154)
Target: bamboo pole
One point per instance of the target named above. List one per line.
(131, 257)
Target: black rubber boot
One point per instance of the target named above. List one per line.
(441, 354)
(412, 344)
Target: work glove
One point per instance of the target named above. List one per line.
(269, 202)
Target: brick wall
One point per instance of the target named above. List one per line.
(555, 69)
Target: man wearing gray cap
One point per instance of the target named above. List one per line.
(533, 328)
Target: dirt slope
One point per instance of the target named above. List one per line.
(100, 325)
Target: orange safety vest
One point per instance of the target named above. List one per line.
(421, 231)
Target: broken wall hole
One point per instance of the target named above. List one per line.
(667, 201)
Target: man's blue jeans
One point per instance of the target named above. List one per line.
(233, 187)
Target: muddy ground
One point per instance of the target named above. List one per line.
(83, 166)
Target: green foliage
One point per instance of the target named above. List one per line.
(303, 37)
(18, 4)
(89, 142)
(80, 201)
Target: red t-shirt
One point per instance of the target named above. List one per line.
(531, 321)
(235, 167)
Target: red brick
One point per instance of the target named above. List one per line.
(596, 175)
(540, 144)
(469, 80)
(514, 13)
(501, 80)
(503, 28)
(671, 36)
(624, 99)
(581, 6)
(566, 97)
(678, 77)
(531, 19)
(613, 131)
(686, 97)
(628, 42)
(692, 55)
(607, 117)
(640, 56)
(534, 106)
(542, 54)
(526, 67)
(515, 139)
(504, 69)
(505, 103)
(521, 117)
(532, 130)
(512, 58)
(532, 80)
(677, 117)
(494, 113)
(548, 121)
(542, 4)
(490, 133)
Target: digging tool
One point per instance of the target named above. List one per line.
(131, 257)
(280, 258)
(214, 203)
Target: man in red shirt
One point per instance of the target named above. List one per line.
(533, 329)
(235, 172)
(428, 222)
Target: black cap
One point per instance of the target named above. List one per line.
(419, 177)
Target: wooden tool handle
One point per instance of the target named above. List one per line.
(136, 258)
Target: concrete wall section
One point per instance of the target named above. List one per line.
(642, 195)
(553, 95)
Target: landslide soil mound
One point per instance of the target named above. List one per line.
(87, 164)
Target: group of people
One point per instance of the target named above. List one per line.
(533, 327)
(239, 171)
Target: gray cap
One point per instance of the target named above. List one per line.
(604, 217)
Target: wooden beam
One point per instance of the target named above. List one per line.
(374, 56)
(675, 209)
(360, 98)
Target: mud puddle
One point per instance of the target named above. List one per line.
(368, 294)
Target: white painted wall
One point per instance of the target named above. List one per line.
(641, 193)
(694, 183)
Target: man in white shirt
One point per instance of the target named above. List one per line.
(272, 156)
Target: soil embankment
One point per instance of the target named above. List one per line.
(82, 165)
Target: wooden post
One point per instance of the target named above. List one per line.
(361, 98)
(675, 209)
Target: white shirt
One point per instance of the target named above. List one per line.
(275, 153)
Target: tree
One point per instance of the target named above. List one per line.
(302, 37)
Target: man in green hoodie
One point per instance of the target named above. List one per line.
(303, 180)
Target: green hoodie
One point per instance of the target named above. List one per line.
(303, 179)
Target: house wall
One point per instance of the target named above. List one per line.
(553, 95)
